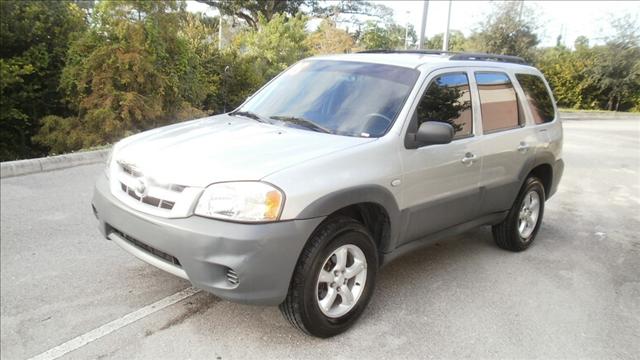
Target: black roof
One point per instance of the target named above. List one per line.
(454, 55)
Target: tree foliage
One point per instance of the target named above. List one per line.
(568, 73)
(328, 39)
(457, 41)
(35, 37)
(599, 77)
(130, 72)
(251, 10)
(510, 29)
(352, 12)
(392, 36)
(276, 44)
(617, 67)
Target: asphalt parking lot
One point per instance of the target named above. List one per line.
(574, 294)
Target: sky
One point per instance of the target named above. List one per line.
(569, 18)
(573, 18)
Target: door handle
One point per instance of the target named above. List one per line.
(523, 147)
(468, 158)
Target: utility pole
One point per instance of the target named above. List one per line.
(423, 23)
(520, 10)
(406, 36)
(406, 33)
(445, 41)
(220, 33)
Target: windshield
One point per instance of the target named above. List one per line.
(338, 97)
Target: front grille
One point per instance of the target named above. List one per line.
(145, 191)
(149, 200)
(130, 170)
(134, 173)
(151, 250)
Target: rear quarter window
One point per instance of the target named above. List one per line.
(538, 97)
(498, 101)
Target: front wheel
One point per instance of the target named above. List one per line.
(519, 229)
(333, 280)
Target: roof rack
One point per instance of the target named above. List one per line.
(454, 55)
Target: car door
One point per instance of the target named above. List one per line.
(508, 145)
(440, 182)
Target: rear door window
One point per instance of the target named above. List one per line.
(538, 97)
(498, 101)
(447, 99)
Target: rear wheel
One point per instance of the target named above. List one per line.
(333, 280)
(519, 229)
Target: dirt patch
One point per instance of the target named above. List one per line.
(194, 306)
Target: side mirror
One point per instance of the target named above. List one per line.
(434, 132)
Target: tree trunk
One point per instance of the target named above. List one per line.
(252, 22)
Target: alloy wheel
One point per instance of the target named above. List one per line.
(341, 281)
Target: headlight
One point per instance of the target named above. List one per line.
(250, 201)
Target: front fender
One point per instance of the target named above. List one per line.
(330, 203)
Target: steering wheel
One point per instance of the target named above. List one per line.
(374, 117)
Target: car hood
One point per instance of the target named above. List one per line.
(224, 148)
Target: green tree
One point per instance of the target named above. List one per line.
(400, 34)
(457, 41)
(599, 77)
(328, 39)
(351, 12)
(200, 33)
(240, 76)
(581, 43)
(375, 36)
(568, 73)
(510, 29)
(251, 10)
(35, 37)
(130, 72)
(276, 44)
(617, 66)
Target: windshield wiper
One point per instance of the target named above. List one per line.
(250, 115)
(302, 122)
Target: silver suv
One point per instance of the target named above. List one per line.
(331, 170)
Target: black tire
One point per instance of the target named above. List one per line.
(506, 234)
(300, 307)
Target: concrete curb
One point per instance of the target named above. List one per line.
(598, 115)
(31, 166)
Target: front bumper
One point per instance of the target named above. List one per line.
(202, 250)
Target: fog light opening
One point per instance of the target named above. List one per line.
(232, 277)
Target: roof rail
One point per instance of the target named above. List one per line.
(392, 51)
(454, 55)
(489, 57)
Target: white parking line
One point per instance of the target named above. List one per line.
(114, 325)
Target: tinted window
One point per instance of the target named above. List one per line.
(538, 97)
(498, 101)
(447, 99)
(343, 97)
